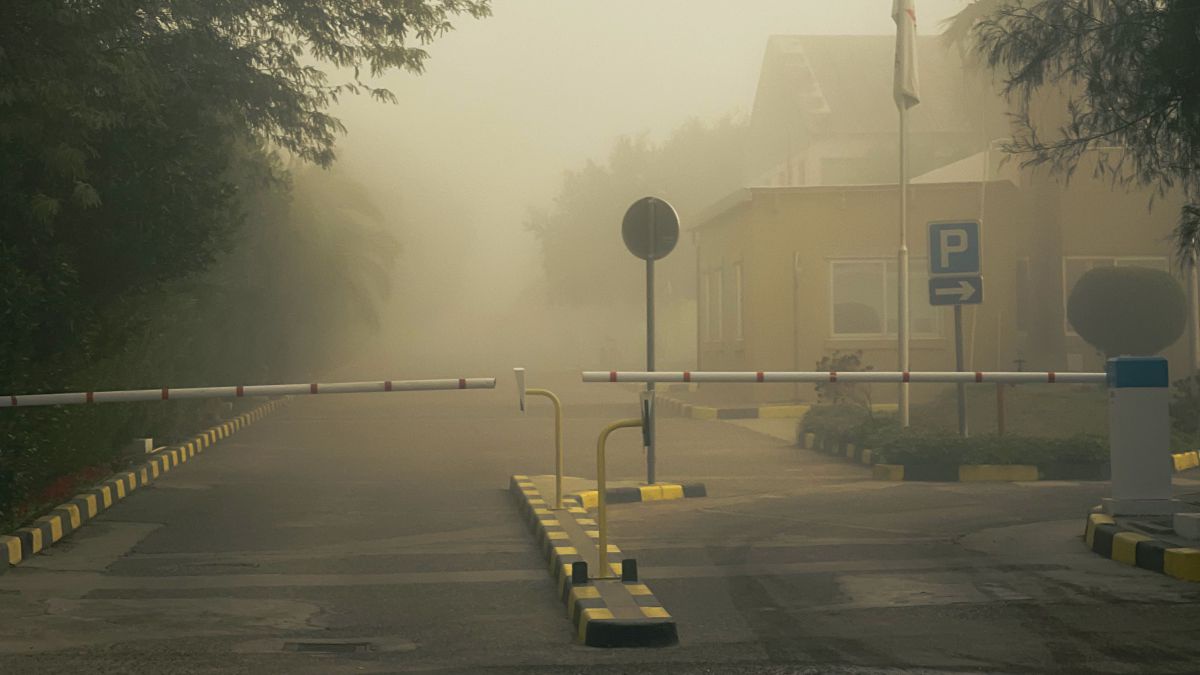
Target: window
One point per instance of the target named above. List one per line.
(864, 299)
(1075, 267)
(716, 301)
(738, 327)
(710, 306)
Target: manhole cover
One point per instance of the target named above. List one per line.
(328, 646)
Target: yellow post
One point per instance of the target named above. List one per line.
(558, 442)
(602, 487)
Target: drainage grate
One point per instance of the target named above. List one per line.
(328, 647)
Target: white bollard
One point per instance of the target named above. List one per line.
(1139, 431)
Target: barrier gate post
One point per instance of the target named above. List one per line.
(1139, 432)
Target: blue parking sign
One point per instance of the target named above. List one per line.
(954, 247)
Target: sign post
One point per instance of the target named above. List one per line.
(955, 279)
(650, 230)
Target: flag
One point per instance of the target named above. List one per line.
(905, 88)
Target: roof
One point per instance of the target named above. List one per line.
(971, 170)
(843, 83)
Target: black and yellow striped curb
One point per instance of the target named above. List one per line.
(1186, 460)
(703, 412)
(1104, 537)
(641, 493)
(614, 612)
(66, 518)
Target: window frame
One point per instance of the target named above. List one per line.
(887, 291)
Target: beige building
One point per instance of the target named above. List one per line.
(799, 268)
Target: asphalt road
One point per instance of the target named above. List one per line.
(366, 534)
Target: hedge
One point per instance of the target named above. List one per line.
(893, 445)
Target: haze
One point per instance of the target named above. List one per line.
(507, 105)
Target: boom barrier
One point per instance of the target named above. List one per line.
(819, 377)
(238, 391)
(1138, 420)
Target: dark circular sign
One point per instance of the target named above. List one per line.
(650, 228)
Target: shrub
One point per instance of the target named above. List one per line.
(943, 448)
(1127, 310)
(835, 422)
(838, 393)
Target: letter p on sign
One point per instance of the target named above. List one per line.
(954, 248)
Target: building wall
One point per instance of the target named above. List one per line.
(787, 242)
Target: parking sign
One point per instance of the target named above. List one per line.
(954, 248)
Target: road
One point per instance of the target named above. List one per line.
(373, 533)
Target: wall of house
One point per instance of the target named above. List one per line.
(787, 242)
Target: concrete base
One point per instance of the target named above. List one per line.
(1143, 507)
(1187, 525)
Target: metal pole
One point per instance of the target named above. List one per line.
(902, 314)
(650, 343)
(1000, 409)
(558, 442)
(604, 571)
(958, 366)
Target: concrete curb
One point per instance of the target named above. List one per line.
(1104, 537)
(702, 412)
(66, 518)
(605, 613)
(1186, 460)
(642, 493)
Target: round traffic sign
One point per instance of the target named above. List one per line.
(650, 228)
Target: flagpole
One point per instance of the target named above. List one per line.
(902, 266)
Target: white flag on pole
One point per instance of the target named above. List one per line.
(904, 86)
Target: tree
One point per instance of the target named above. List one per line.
(1131, 73)
(580, 234)
(1127, 310)
(132, 130)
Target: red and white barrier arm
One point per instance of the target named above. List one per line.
(869, 376)
(239, 391)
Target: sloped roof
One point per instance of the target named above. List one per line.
(842, 84)
(999, 167)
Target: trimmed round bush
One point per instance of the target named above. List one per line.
(1132, 311)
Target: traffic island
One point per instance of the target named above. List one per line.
(1144, 543)
(47, 530)
(614, 610)
(638, 493)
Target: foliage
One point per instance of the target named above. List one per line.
(835, 393)
(1185, 405)
(837, 423)
(916, 447)
(1127, 310)
(580, 234)
(1131, 70)
(148, 233)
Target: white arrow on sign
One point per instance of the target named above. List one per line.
(965, 291)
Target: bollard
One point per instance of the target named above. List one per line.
(629, 573)
(579, 572)
(558, 433)
(601, 488)
(1139, 431)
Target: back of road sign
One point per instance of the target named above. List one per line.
(650, 228)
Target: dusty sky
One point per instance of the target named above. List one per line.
(510, 102)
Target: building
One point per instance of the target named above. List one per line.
(802, 264)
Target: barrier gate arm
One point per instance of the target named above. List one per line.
(238, 391)
(874, 376)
